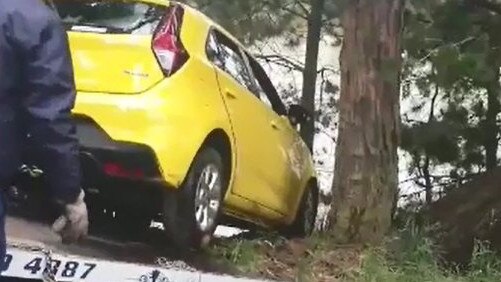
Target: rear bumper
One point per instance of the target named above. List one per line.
(118, 174)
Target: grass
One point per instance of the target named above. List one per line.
(416, 261)
(407, 257)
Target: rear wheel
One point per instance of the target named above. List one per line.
(304, 224)
(191, 214)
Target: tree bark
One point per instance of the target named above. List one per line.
(427, 161)
(491, 128)
(310, 69)
(366, 168)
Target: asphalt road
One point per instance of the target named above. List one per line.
(28, 224)
(102, 247)
(109, 245)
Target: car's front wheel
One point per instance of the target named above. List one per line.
(191, 214)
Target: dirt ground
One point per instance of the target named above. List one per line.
(279, 259)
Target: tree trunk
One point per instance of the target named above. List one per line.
(427, 181)
(491, 128)
(426, 167)
(310, 69)
(366, 172)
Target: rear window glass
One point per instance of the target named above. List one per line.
(110, 16)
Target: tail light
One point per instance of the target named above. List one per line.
(117, 170)
(167, 45)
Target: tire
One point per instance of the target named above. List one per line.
(185, 210)
(304, 223)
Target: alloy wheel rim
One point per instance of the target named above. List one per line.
(208, 197)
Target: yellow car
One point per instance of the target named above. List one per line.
(178, 121)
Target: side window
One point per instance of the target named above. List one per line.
(257, 88)
(266, 91)
(213, 51)
(226, 55)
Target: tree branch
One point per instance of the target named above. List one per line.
(290, 10)
(294, 12)
(486, 4)
(283, 61)
(455, 44)
(303, 7)
(326, 133)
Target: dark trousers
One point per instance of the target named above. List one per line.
(3, 239)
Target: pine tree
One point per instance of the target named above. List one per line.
(366, 172)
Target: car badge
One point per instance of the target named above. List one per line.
(133, 73)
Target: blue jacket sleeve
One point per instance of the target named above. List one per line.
(49, 97)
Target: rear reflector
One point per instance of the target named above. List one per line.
(117, 170)
(167, 45)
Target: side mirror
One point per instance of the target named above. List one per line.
(298, 115)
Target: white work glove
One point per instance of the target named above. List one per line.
(73, 225)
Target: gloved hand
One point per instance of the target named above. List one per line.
(73, 225)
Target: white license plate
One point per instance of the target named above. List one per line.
(35, 266)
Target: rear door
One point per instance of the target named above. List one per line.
(288, 141)
(111, 44)
(258, 157)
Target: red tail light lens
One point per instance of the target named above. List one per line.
(167, 45)
(116, 170)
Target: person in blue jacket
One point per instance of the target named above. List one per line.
(37, 94)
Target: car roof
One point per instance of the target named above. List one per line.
(207, 20)
(212, 23)
(159, 2)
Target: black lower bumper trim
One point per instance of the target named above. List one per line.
(98, 149)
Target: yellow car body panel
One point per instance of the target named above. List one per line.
(88, 56)
(158, 2)
(173, 118)
(130, 99)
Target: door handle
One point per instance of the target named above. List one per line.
(230, 94)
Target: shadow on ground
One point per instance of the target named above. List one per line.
(109, 242)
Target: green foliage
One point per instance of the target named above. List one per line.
(485, 265)
(408, 256)
(251, 20)
(411, 258)
(241, 254)
(452, 50)
(436, 139)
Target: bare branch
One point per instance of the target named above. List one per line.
(328, 69)
(281, 60)
(328, 134)
(455, 44)
(290, 10)
(303, 7)
(294, 12)
(486, 4)
(420, 184)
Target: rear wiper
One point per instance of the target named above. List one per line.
(150, 17)
(141, 24)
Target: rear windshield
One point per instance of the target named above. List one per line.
(110, 16)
